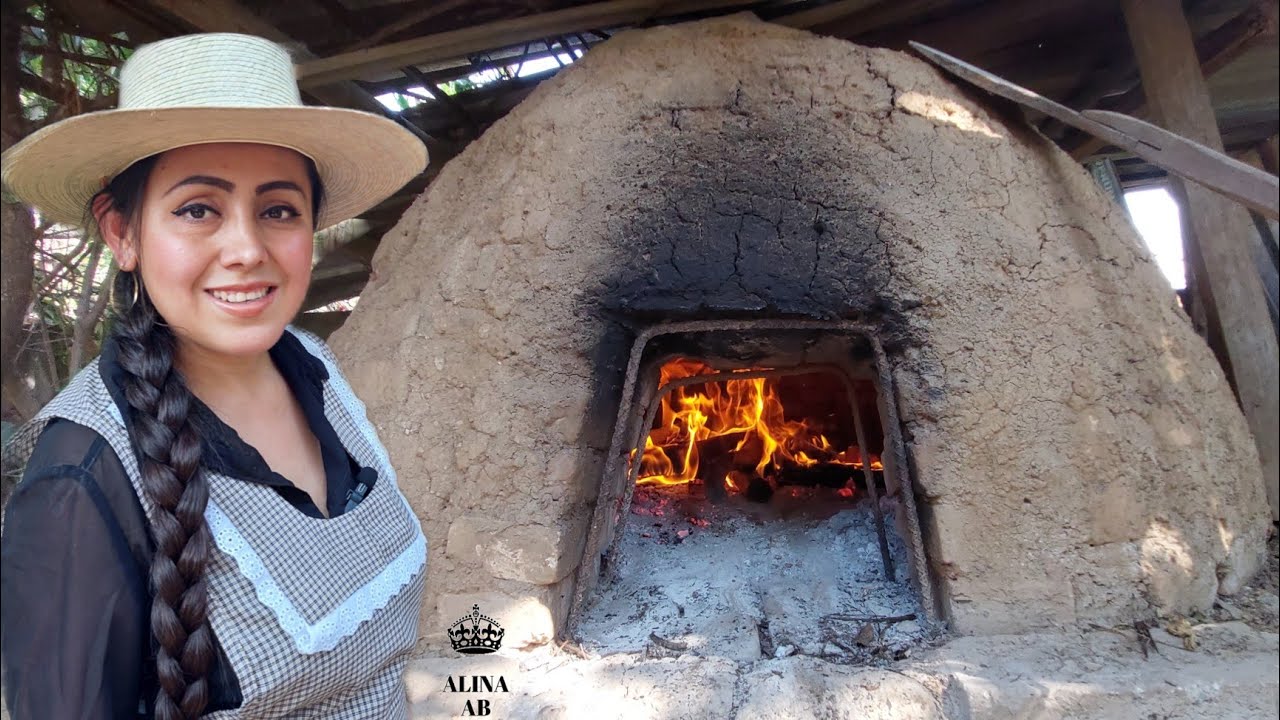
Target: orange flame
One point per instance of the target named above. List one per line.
(693, 415)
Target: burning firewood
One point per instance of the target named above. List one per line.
(759, 490)
(715, 465)
(831, 476)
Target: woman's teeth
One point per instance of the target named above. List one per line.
(239, 297)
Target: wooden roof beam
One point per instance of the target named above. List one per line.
(1228, 300)
(1216, 50)
(824, 14)
(503, 33)
(404, 23)
(231, 16)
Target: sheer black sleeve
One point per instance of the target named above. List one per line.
(72, 596)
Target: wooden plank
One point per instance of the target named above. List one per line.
(221, 16)
(405, 22)
(503, 33)
(231, 16)
(825, 13)
(1179, 100)
(878, 17)
(1216, 50)
(321, 323)
(1267, 155)
(973, 31)
(339, 287)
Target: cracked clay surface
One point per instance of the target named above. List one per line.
(1078, 455)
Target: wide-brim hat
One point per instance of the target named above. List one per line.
(212, 88)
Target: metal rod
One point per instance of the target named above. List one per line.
(905, 489)
(865, 457)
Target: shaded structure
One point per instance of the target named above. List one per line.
(451, 69)
(353, 50)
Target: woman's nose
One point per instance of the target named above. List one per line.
(242, 241)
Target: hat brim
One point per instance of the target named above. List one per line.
(362, 158)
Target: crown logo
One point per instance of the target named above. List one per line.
(476, 634)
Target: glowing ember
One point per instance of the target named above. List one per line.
(735, 432)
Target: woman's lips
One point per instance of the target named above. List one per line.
(246, 309)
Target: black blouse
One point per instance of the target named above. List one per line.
(76, 552)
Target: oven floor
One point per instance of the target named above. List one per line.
(743, 581)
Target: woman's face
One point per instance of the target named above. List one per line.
(226, 243)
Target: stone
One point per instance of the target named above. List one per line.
(426, 683)
(1270, 606)
(533, 553)
(1102, 675)
(528, 617)
(1229, 610)
(803, 687)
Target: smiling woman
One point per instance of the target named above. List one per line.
(169, 549)
(226, 230)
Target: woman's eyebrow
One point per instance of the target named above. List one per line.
(203, 180)
(278, 185)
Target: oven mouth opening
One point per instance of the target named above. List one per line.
(754, 507)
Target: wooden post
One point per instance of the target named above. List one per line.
(1215, 226)
(1267, 154)
(17, 233)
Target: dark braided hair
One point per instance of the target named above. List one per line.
(168, 447)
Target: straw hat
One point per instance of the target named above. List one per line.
(217, 87)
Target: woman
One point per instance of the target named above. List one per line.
(207, 523)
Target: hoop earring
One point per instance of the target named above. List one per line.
(137, 289)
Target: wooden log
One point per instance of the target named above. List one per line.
(1267, 154)
(404, 22)
(369, 62)
(759, 490)
(715, 460)
(231, 16)
(823, 14)
(1179, 101)
(1216, 50)
(829, 475)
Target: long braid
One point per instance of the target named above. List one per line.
(169, 449)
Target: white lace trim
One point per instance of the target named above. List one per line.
(328, 631)
(368, 599)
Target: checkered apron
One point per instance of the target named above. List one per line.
(317, 617)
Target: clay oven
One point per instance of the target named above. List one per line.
(1056, 446)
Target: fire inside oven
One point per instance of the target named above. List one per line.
(752, 434)
(760, 522)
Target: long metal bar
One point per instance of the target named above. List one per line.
(905, 488)
(1256, 189)
(871, 482)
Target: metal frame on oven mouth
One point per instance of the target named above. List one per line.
(615, 501)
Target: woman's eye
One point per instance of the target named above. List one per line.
(280, 212)
(194, 211)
